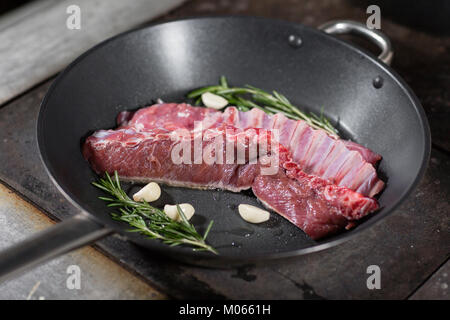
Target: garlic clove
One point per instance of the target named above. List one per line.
(151, 192)
(172, 211)
(253, 214)
(214, 101)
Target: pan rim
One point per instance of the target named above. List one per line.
(334, 241)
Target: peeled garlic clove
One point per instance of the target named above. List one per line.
(172, 211)
(151, 192)
(253, 214)
(214, 101)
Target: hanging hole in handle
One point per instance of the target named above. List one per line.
(346, 27)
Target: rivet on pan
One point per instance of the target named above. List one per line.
(378, 82)
(236, 244)
(294, 41)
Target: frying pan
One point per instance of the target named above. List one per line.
(360, 93)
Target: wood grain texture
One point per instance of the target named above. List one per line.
(437, 287)
(100, 277)
(35, 42)
(408, 245)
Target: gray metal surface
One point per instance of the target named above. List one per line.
(352, 27)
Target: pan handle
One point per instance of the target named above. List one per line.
(377, 37)
(56, 240)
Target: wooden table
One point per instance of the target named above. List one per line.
(411, 246)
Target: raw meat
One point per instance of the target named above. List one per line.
(345, 163)
(316, 205)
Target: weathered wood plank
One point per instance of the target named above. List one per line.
(36, 43)
(22, 12)
(437, 287)
(18, 152)
(100, 277)
(408, 245)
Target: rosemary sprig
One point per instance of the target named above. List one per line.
(150, 221)
(270, 103)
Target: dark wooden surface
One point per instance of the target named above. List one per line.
(101, 277)
(411, 246)
(436, 287)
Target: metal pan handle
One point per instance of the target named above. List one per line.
(50, 243)
(377, 37)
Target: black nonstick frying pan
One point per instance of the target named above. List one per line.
(362, 95)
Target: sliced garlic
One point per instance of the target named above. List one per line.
(214, 101)
(151, 192)
(253, 214)
(172, 211)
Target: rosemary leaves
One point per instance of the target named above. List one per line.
(150, 221)
(248, 97)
